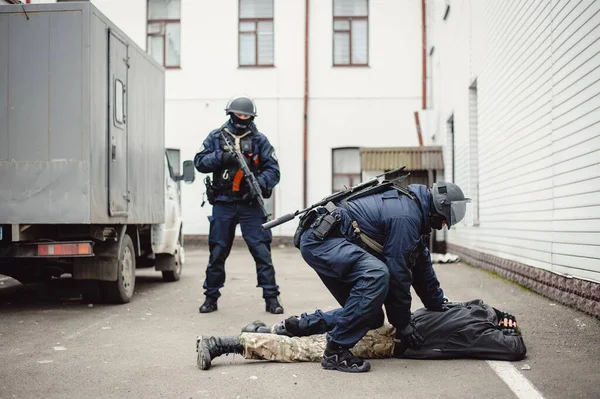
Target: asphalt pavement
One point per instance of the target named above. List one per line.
(54, 345)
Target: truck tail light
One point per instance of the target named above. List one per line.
(81, 248)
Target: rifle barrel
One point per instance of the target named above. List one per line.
(278, 221)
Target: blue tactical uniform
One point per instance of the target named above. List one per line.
(358, 278)
(232, 206)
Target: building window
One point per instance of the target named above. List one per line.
(452, 149)
(256, 43)
(164, 32)
(345, 168)
(474, 154)
(351, 32)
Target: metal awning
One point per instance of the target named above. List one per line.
(415, 158)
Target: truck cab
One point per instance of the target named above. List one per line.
(167, 238)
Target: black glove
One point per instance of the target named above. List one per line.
(228, 158)
(507, 323)
(266, 193)
(409, 337)
(445, 305)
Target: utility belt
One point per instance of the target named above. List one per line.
(323, 220)
(212, 191)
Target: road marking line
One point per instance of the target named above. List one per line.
(516, 381)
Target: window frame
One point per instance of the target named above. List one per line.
(349, 32)
(351, 176)
(256, 21)
(164, 22)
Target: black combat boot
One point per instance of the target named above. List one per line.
(339, 358)
(210, 347)
(273, 305)
(209, 305)
(257, 327)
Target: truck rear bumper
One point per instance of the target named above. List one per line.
(53, 249)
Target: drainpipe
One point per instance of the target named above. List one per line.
(305, 127)
(423, 73)
(424, 54)
(418, 123)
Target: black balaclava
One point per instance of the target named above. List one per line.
(239, 123)
(435, 219)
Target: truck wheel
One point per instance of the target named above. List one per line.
(172, 262)
(121, 290)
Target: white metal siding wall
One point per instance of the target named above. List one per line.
(576, 137)
(538, 137)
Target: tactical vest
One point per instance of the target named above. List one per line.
(230, 180)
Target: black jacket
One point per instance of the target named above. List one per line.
(466, 330)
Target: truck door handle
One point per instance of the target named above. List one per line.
(113, 152)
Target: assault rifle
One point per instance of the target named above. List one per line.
(255, 190)
(393, 176)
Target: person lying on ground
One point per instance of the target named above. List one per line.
(470, 329)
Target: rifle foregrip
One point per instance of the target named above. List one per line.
(278, 221)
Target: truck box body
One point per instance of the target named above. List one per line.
(81, 120)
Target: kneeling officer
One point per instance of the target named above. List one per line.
(368, 249)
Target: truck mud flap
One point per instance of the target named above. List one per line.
(103, 266)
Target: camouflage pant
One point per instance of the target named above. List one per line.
(376, 344)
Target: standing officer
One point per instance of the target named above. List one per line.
(233, 203)
(368, 250)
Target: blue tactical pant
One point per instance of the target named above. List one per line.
(225, 217)
(358, 281)
(320, 322)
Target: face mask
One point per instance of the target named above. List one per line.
(437, 222)
(240, 123)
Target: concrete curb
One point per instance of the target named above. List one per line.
(580, 294)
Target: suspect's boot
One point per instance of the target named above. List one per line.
(273, 305)
(339, 358)
(209, 305)
(257, 327)
(210, 347)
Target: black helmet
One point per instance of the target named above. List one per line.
(241, 105)
(449, 201)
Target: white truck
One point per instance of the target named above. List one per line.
(87, 186)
